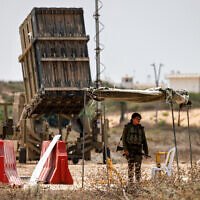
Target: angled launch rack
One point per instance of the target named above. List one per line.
(54, 60)
(55, 67)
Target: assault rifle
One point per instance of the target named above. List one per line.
(131, 154)
(119, 148)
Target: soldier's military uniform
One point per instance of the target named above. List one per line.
(134, 141)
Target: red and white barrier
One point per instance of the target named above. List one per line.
(8, 171)
(55, 169)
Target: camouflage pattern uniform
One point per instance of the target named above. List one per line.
(134, 141)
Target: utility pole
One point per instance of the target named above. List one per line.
(98, 49)
(98, 116)
(157, 78)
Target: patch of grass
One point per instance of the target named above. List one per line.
(162, 123)
(136, 108)
(115, 130)
(155, 131)
(165, 114)
(2, 112)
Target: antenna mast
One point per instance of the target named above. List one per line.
(98, 49)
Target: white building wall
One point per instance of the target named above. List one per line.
(189, 84)
(127, 82)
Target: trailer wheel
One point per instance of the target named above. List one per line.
(75, 160)
(98, 150)
(22, 155)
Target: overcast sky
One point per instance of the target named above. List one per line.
(137, 33)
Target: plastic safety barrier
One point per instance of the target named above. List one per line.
(55, 170)
(8, 171)
(45, 155)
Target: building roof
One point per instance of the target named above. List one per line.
(181, 76)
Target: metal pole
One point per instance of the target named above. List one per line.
(174, 130)
(98, 50)
(156, 82)
(105, 144)
(179, 116)
(97, 44)
(189, 135)
(156, 120)
(60, 125)
(83, 145)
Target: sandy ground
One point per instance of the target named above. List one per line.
(95, 171)
(93, 174)
(149, 116)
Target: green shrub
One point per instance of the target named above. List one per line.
(162, 123)
(1, 114)
(136, 108)
(195, 99)
(165, 114)
(9, 108)
(7, 98)
(155, 131)
(4, 96)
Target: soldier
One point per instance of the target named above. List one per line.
(134, 141)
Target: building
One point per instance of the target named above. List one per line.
(189, 82)
(127, 82)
